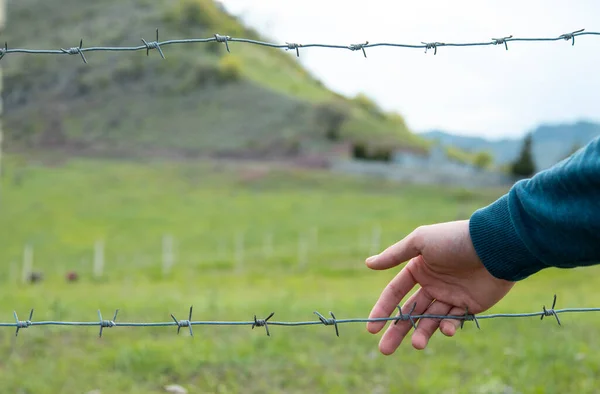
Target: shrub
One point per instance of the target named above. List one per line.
(359, 151)
(368, 105)
(230, 69)
(331, 116)
(382, 154)
(483, 160)
(193, 13)
(206, 14)
(226, 71)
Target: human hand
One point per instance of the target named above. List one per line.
(451, 276)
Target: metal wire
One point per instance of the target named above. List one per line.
(157, 45)
(333, 321)
(188, 323)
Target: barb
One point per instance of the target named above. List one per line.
(106, 323)
(22, 324)
(18, 324)
(498, 41)
(262, 323)
(225, 39)
(329, 322)
(551, 311)
(153, 45)
(184, 323)
(72, 51)
(409, 316)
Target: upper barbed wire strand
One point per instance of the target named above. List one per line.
(224, 39)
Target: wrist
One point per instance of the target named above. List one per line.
(498, 244)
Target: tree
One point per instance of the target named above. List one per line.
(332, 116)
(483, 160)
(359, 151)
(524, 166)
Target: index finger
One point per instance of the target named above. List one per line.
(390, 298)
(403, 250)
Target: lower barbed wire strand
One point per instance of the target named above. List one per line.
(405, 317)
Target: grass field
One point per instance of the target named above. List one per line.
(63, 208)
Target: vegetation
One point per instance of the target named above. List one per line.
(249, 102)
(230, 69)
(250, 239)
(61, 207)
(460, 156)
(524, 166)
(332, 115)
(550, 141)
(368, 105)
(483, 160)
(361, 151)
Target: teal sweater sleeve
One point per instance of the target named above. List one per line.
(549, 220)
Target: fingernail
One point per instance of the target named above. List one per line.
(372, 258)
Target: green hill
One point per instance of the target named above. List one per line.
(200, 100)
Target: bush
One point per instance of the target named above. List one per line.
(193, 13)
(208, 15)
(459, 156)
(483, 160)
(226, 71)
(382, 154)
(331, 116)
(368, 105)
(230, 69)
(360, 151)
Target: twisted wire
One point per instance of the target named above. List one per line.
(266, 322)
(225, 39)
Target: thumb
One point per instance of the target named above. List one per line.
(398, 253)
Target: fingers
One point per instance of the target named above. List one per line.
(394, 335)
(428, 326)
(390, 298)
(448, 327)
(400, 252)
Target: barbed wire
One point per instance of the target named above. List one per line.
(322, 320)
(157, 45)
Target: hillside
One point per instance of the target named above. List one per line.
(551, 142)
(200, 100)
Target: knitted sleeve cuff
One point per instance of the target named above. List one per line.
(498, 244)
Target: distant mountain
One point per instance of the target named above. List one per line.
(551, 143)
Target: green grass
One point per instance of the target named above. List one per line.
(205, 206)
(63, 207)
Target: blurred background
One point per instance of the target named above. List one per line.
(256, 181)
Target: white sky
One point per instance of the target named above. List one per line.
(484, 91)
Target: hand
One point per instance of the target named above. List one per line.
(444, 263)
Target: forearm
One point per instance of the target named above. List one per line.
(550, 220)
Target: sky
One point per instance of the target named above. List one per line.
(483, 91)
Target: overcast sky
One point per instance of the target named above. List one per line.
(485, 91)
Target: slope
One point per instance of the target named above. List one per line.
(200, 100)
